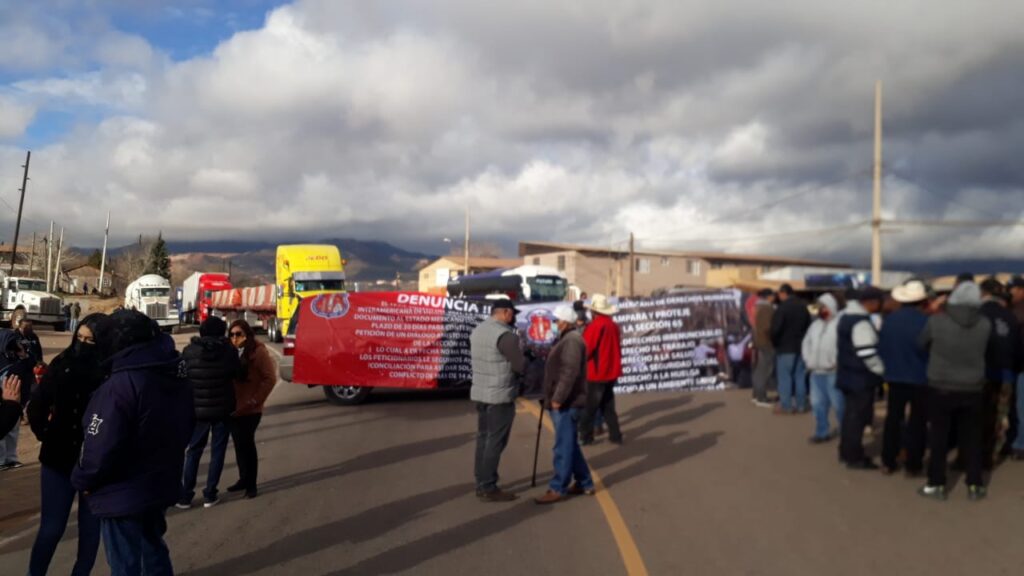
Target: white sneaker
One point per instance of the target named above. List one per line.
(211, 503)
(183, 505)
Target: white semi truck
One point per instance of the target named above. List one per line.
(151, 295)
(27, 297)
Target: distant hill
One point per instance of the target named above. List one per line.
(253, 262)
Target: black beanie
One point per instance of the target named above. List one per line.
(213, 326)
(131, 327)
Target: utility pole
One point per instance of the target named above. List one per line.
(465, 263)
(49, 256)
(56, 267)
(876, 213)
(632, 266)
(21, 205)
(32, 257)
(103, 258)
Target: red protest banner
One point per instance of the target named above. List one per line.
(385, 339)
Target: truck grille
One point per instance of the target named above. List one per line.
(156, 310)
(49, 306)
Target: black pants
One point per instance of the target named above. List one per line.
(243, 434)
(493, 425)
(989, 422)
(600, 395)
(966, 410)
(1012, 431)
(900, 395)
(858, 413)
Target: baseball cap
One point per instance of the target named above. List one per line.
(504, 304)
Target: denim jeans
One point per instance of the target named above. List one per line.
(135, 544)
(9, 445)
(493, 426)
(1018, 443)
(221, 432)
(57, 497)
(569, 462)
(792, 376)
(825, 395)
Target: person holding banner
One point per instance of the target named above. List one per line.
(497, 358)
(604, 366)
(565, 387)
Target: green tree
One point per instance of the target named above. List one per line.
(159, 261)
(95, 259)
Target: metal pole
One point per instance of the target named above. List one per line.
(536, 446)
(49, 256)
(465, 263)
(56, 267)
(103, 258)
(32, 257)
(21, 205)
(876, 213)
(632, 266)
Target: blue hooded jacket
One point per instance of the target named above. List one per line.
(137, 427)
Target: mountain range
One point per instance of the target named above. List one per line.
(252, 262)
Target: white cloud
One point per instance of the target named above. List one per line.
(14, 117)
(572, 120)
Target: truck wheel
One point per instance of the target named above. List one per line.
(16, 317)
(346, 395)
(274, 332)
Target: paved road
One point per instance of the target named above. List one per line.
(706, 484)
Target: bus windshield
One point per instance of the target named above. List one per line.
(319, 285)
(158, 292)
(547, 288)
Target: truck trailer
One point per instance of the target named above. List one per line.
(196, 293)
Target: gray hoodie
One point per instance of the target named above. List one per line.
(957, 340)
(820, 345)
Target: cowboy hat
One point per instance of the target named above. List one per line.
(912, 291)
(599, 303)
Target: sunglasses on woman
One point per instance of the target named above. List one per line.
(237, 334)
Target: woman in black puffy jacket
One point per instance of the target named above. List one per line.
(55, 413)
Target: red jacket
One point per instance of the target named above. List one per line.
(604, 353)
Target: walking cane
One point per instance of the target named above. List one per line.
(536, 446)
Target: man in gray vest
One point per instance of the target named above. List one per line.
(497, 357)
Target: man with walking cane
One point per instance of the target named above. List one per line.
(565, 384)
(497, 358)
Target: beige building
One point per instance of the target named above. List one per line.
(602, 270)
(433, 278)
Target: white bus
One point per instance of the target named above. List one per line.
(525, 284)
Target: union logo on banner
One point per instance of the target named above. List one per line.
(330, 306)
(538, 327)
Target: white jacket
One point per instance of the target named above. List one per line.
(821, 344)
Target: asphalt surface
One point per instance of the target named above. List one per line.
(705, 484)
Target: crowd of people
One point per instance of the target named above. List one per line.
(955, 362)
(580, 373)
(123, 419)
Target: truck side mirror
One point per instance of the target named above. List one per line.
(279, 291)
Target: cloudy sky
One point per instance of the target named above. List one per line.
(737, 125)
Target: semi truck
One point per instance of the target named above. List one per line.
(151, 295)
(28, 297)
(302, 270)
(196, 294)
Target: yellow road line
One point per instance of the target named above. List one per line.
(620, 531)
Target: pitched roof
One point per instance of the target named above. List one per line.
(530, 248)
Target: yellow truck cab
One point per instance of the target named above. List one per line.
(305, 270)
